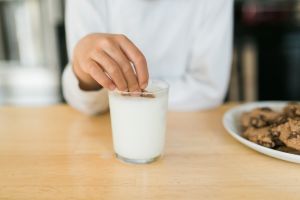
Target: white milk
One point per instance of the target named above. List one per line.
(139, 124)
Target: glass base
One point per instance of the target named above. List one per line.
(137, 161)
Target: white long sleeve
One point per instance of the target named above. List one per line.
(83, 17)
(89, 102)
(187, 43)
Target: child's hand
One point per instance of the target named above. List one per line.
(104, 60)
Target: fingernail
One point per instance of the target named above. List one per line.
(136, 93)
(144, 85)
(112, 87)
(137, 90)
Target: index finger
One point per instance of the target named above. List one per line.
(137, 58)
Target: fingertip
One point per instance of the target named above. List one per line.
(123, 89)
(144, 85)
(143, 79)
(138, 90)
(112, 86)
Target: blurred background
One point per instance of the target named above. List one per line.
(265, 66)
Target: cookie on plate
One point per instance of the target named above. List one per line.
(289, 133)
(292, 110)
(261, 136)
(259, 117)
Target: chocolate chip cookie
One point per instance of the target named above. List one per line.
(277, 130)
(292, 110)
(259, 117)
(260, 136)
(289, 133)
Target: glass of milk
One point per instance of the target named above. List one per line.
(139, 122)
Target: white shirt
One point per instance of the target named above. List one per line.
(188, 43)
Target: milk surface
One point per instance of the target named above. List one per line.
(138, 124)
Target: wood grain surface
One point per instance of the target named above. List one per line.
(58, 153)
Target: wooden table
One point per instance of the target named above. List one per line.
(58, 153)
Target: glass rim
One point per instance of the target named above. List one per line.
(161, 89)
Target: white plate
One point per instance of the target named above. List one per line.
(231, 122)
